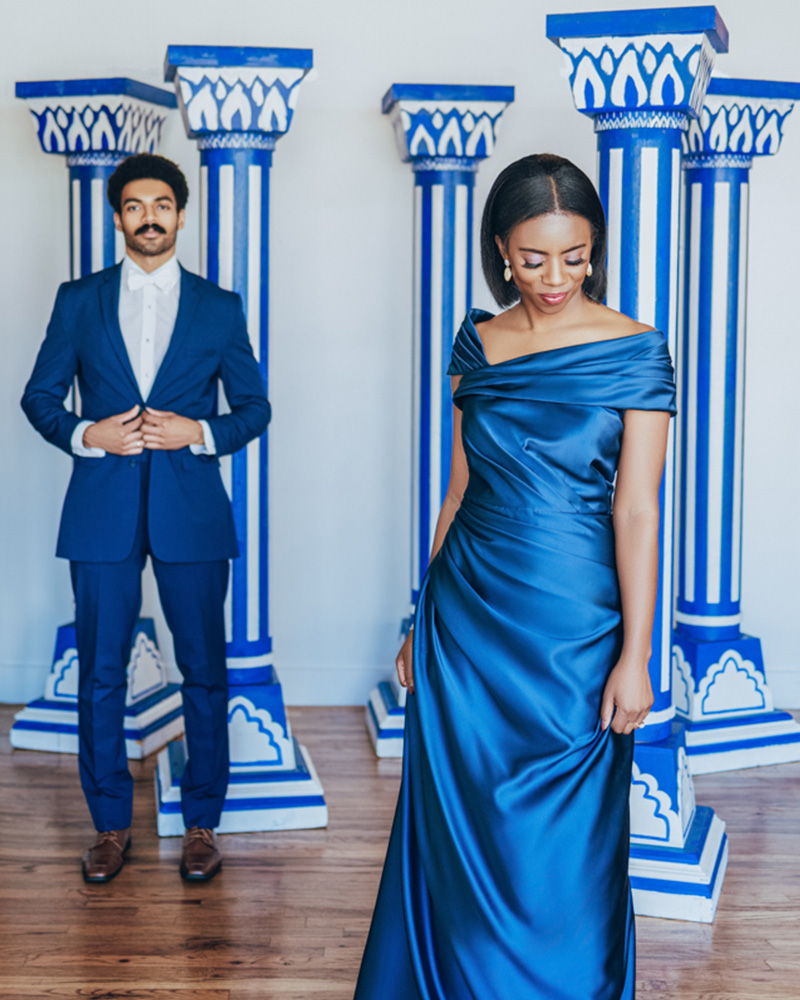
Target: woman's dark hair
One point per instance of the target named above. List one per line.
(539, 185)
(147, 166)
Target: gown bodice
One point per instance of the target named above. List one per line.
(542, 432)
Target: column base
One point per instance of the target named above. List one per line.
(53, 725)
(255, 801)
(742, 741)
(153, 712)
(723, 698)
(682, 883)
(385, 718)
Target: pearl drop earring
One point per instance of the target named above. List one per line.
(507, 272)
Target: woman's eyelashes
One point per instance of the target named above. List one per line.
(532, 264)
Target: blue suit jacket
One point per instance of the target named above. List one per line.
(189, 513)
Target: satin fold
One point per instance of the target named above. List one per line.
(506, 873)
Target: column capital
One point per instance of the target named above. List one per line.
(243, 97)
(97, 121)
(740, 119)
(646, 68)
(445, 127)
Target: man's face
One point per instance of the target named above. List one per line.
(149, 218)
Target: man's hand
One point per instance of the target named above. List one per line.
(164, 431)
(120, 434)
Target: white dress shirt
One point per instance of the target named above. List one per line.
(148, 308)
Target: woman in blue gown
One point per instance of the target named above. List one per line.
(506, 873)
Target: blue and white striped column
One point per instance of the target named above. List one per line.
(642, 76)
(443, 132)
(719, 682)
(237, 102)
(94, 124)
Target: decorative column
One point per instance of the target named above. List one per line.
(237, 103)
(641, 75)
(443, 132)
(718, 672)
(94, 125)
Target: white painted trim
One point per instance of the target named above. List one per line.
(248, 662)
(709, 621)
(226, 208)
(76, 229)
(648, 236)
(253, 539)
(738, 447)
(98, 211)
(436, 278)
(254, 258)
(416, 391)
(691, 407)
(614, 236)
(203, 268)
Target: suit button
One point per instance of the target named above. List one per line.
(132, 462)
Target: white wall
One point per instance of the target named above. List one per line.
(340, 313)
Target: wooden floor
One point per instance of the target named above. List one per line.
(288, 916)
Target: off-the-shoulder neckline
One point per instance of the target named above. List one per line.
(550, 350)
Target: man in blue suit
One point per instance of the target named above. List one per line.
(149, 343)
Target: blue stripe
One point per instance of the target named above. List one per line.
(265, 159)
(72, 729)
(706, 254)
(390, 700)
(450, 181)
(384, 734)
(86, 222)
(670, 888)
(97, 86)
(754, 719)
(683, 402)
(207, 159)
(242, 805)
(131, 711)
(764, 741)
(424, 362)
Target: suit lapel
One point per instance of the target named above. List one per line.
(187, 307)
(109, 308)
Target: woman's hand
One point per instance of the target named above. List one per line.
(405, 662)
(627, 698)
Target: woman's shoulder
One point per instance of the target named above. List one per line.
(468, 351)
(616, 324)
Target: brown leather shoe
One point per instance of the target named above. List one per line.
(201, 858)
(106, 856)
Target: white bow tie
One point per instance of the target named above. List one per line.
(162, 281)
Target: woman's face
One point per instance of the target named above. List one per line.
(549, 255)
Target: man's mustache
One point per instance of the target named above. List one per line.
(154, 226)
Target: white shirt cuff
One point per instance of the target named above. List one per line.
(77, 445)
(208, 447)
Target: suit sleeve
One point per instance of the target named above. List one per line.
(53, 375)
(244, 390)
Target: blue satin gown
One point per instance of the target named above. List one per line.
(506, 876)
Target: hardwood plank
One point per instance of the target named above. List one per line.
(289, 914)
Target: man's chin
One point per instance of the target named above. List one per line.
(151, 248)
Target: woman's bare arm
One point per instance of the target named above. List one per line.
(628, 694)
(459, 475)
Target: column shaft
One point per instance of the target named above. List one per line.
(93, 238)
(234, 185)
(639, 184)
(712, 400)
(443, 218)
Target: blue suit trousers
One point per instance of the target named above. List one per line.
(108, 598)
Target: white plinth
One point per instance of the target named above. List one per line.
(290, 799)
